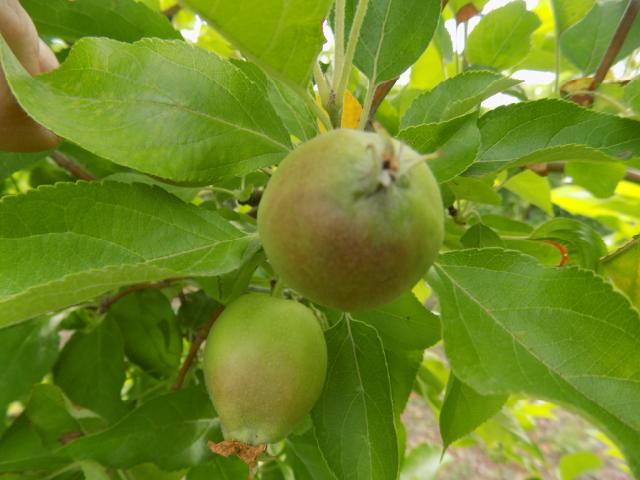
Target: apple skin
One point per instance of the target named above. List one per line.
(339, 236)
(265, 363)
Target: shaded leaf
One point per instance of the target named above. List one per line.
(27, 352)
(220, 468)
(455, 96)
(404, 324)
(599, 179)
(464, 410)
(573, 340)
(284, 37)
(428, 137)
(479, 235)
(125, 20)
(568, 12)
(74, 221)
(623, 268)
(532, 188)
(170, 431)
(585, 43)
(503, 37)
(354, 417)
(152, 339)
(306, 451)
(11, 162)
(91, 370)
(584, 245)
(573, 465)
(122, 101)
(393, 36)
(550, 130)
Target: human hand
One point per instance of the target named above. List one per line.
(18, 131)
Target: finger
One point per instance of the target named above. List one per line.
(20, 33)
(48, 60)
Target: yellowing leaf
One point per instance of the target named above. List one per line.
(351, 111)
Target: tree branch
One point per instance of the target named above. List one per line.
(631, 175)
(72, 167)
(108, 302)
(201, 336)
(171, 12)
(617, 41)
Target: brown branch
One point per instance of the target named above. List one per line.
(108, 302)
(631, 175)
(617, 41)
(72, 167)
(201, 335)
(171, 12)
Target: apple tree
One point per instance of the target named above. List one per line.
(272, 229)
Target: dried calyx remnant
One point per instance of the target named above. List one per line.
(249, 454)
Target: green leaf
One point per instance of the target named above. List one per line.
(573, 465)
(531, 188)
(435, 120)
(502, 39)
(98, 356)
(584, 245)
(550, 130)
(354, 417)
(170, 431)
(295, 114)
(513, 326)
(11, 162)
(196, 309)
(599, 179)
(456, 140)
(22, 449)
(632, 95)
(27, 351)
(74, 221)
(422, 463)
(479, 236)
(95, 471)
(585, 43)
(403, 368)
(568, 12)
(545, 252)
(623, 268)
(404, 324)
(464, 410)
(455, 97)
(306, 451)
(48, 412)
(152, 338)
(220, 468)
(474, 190)
(283, 37)
(125, 20)
(144, 105)
(393, 36)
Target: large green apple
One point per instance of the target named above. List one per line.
(265, 364)
(351, 219)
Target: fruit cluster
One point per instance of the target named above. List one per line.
(349, 220)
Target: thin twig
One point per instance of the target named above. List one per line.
(201, 336)
(380, 94)
(617, 41)
(171, 12)
(366, 106)
(72, 167)
(108, 302)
